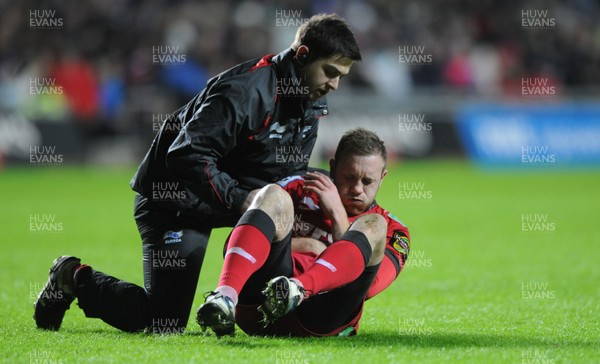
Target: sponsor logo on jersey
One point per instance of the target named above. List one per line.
(172, 237)
(400, 243)
(308, 230)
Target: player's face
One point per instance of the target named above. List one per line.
(358, 179)
(324, 75)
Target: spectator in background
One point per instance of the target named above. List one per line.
(78, 79)
(225, 32)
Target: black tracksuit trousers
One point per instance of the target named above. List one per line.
(173, 251)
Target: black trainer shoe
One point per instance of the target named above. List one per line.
(218, 313)
(56, 297)
(282, 296)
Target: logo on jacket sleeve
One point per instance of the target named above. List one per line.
(172, 237)
(276, 130)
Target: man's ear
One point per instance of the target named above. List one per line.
(302, 55)
(383, 174)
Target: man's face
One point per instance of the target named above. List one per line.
(324, 74)
(357, 179)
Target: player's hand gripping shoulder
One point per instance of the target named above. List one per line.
(329, 201)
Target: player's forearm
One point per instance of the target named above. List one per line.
(339, 224)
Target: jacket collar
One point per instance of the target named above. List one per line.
(284, 63)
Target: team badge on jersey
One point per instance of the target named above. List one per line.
(400, 242)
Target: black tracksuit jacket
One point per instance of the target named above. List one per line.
(238, 134)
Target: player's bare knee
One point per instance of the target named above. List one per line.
(273, 200)
(276, 203)
(374, 227)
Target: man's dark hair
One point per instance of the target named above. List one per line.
(326, 35)
(361, 142)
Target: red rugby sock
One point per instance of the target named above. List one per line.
(341, 263)
(247, 251)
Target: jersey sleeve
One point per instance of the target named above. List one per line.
(293, 186)
(395, 256)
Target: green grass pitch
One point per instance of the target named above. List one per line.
(504, 268)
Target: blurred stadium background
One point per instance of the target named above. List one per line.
(506, 83)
